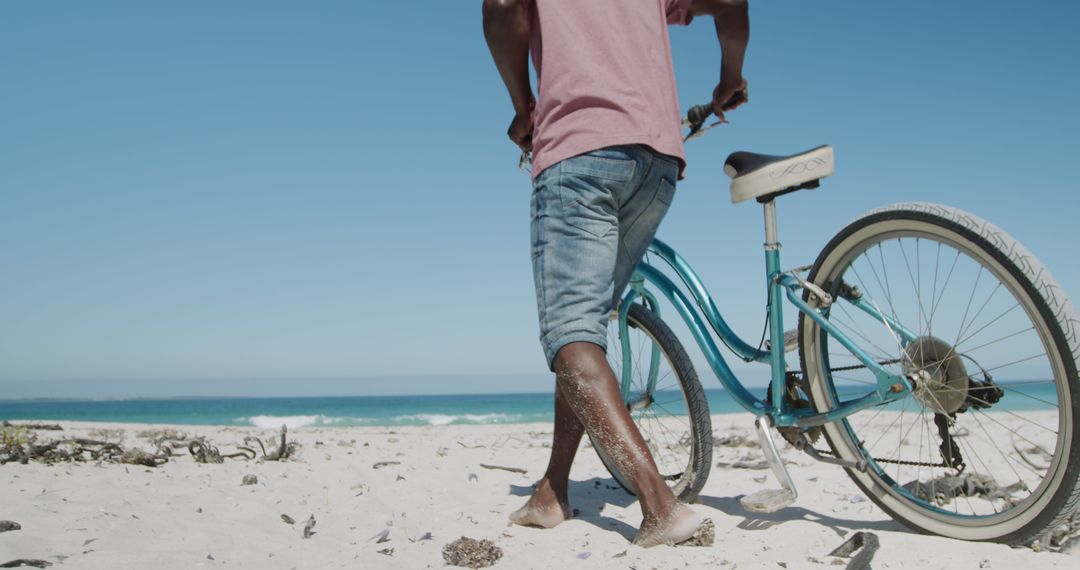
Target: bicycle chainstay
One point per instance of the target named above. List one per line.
(950, 454)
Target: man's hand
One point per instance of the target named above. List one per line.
(521, 129)
(724, 98)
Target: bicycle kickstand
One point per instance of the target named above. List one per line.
(770, 500)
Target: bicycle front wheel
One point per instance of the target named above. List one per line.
(673, 414)
(986, 446)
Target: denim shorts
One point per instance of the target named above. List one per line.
(593, 217)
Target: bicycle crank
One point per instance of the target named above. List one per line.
(795, 394)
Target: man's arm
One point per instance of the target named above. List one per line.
(506, 28)
(732, 19)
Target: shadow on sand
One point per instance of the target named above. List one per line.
(761, 521)
(589, 497)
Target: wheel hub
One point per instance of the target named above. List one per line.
(942, 383)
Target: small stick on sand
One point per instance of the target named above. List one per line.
(510, 469)
(382, 464)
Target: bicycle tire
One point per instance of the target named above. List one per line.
(683, 459)
(1046, 492)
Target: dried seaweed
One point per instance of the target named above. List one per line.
(47, 427)
(20, 446)
(6, 526)
(705, 535)
(34, 563)
(471, 553)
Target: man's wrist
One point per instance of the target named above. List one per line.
(525, 106)
(730, 76)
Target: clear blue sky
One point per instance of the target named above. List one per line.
(236, 190)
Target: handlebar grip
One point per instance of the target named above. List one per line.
(698, 114)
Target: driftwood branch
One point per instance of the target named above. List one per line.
(285, 449)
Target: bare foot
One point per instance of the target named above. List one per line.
(543, 509)
(678, 526)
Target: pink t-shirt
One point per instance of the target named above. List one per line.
(604, 77)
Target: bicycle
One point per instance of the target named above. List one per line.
(908, 313)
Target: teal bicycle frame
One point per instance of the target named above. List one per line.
(702, 310)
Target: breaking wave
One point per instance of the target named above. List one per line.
(292, 422)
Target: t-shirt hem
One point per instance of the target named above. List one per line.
(568, 151)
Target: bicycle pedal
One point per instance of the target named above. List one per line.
(767, 500)
(770, 500)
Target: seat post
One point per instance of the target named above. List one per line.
(776, 317)
(772, 241)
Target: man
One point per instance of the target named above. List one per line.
(607, 149)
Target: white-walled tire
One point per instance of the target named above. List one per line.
(956, 281)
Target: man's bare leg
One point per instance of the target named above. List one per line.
(549, 504)
(591, 391)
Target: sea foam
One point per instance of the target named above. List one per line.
(288, 421)
(447, 419)
(319, 420)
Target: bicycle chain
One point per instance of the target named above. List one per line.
(892, 461)
(859, 366)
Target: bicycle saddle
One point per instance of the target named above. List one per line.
(765, 177)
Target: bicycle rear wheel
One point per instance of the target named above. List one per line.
(986, 447)
(674, 417)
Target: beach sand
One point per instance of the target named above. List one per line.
(189, 515)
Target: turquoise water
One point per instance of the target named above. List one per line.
(374, 410)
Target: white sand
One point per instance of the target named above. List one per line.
(186, 515)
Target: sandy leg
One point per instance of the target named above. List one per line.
(544, 508)
(680, 524)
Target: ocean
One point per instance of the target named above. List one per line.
(369, 410)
